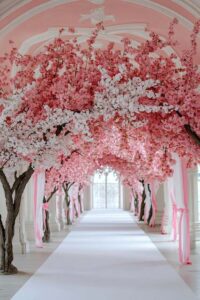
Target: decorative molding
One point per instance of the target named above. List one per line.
(111, 33)
(163, 10)
(193, 6)
(9, 6)
(32, 12)
(53, 3)
(98, 2)
(97, 15)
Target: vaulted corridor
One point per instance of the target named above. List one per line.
(106, 256)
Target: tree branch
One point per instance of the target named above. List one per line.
(19, 179)
(64, 187)
(190, 131)
(20, 189)
(6, 162)
(2, 229)
(192, 134)
(51, 195)
(7, 190)
(69, 185)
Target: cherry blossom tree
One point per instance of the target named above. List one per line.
(71, 109)
(36, 121)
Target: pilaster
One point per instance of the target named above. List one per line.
(193, 206)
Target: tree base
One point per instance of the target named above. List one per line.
(46, 239)
(11, 271)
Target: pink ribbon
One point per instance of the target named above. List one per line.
(174, 221)
(45, 206)
(185, 199)
(183, 213)
(36, 229)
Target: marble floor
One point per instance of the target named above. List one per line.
(107, 256)
(189, 273)
(27, 265)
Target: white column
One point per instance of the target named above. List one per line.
(193, 206)
(20, 241)
(29, 210)
(3, 210)
(167, 211)
(64, 210)
(126, 198)
(87, 198)
(24, 229)
(119, 192)
(52, 215)
(160, 200)
(106, 190)
(59, 211)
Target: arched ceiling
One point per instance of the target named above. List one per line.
(31, 23)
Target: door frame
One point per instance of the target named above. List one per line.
(106, 192)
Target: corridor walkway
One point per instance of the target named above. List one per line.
(106, 257)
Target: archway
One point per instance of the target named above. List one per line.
(106, 190)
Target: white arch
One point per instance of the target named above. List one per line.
(33, 12)
(53, 3)
(9, 6)
(163, 10)
(193, 6)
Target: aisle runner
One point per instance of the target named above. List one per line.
(106, 257)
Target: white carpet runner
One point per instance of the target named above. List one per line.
(106, 257)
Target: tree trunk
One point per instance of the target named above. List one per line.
(66, 187)
(76, 210)
(192, 134)
(142, 208)
(2, 246)
(68, 213)
(136, 205)
(68, 210)
(47, 232)
(151, 208)
(13, 197)
(190, 131)
(80, 204)
(150, 214)
(9, 234)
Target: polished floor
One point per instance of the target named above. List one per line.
(106, 256)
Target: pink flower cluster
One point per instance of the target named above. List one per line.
(72, 109)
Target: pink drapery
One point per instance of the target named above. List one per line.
(73, 194)
(178, 190)
(184, 223)
(38, 194)
(154, 189)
